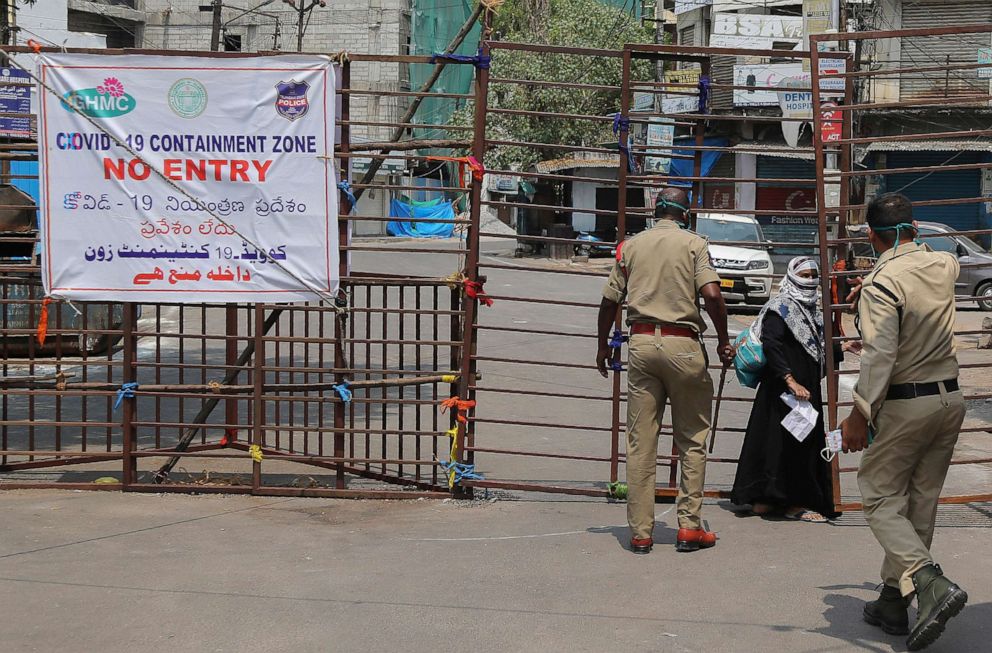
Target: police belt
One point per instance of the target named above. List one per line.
(914, 390)
(648, 329)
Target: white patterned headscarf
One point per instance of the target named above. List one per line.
(796, 303)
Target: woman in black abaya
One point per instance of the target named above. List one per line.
(777, 473)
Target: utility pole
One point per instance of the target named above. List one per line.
(303, 9)
(214, 7)
(215, 28)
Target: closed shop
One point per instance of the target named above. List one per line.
(720, 195)
(952, 184)
(924, 51)
(769, 196)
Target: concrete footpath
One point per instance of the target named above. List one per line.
(105, 572)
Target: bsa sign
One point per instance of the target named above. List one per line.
(291, 102)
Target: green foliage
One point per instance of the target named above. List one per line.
(577, 23)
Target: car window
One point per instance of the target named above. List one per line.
(941, 243)
(718, 230)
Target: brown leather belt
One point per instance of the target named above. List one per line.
(647, 328)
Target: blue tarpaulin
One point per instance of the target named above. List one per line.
(432, 210)
(684, 167)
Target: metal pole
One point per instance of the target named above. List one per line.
(299, 27)
(622, 173)
(343, 269)
(215, 28)
(471, 307)
(129, 375)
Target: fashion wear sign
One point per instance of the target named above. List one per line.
(227, 194)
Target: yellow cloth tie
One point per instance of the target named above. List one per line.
(449, 378)
(454, 280)
(452, 454)
(255, 452)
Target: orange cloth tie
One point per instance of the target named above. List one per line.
(460, 405)
(43, 321)
(478, 170)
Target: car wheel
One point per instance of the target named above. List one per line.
(985, 293)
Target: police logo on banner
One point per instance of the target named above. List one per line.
(291, 102)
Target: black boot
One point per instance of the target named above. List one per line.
(937, 599)
(890, 611)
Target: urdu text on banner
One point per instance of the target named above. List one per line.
(245, 136)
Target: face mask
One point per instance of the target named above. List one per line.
(684, 223)
(835, 444)
(898, 229)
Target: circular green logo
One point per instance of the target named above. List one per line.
(187, 98)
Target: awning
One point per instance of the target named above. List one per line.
(580, 160)
(775, 148)
(950, 145)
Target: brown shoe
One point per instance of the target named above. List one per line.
(641, 545)
(693, 539)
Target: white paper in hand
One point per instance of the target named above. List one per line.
(801, 420)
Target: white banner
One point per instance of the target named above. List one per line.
(685, 6)
(754, 31)
(243, 135)
(660, 137)
(762, 76)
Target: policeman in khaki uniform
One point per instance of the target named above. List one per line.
(661, 272)
(908, 412)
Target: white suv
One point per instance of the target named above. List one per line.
(745, 271)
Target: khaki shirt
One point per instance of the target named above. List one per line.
(665, 268)
(906, 313)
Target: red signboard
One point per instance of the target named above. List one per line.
(718, 197)
(832, 127)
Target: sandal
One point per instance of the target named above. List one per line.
(808, 516)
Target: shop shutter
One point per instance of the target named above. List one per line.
(786, 229)
(938, 186)
(938, 50)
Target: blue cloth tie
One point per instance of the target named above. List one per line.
(616, 343)
(463, 472)
(621, 124)
(345, 188)
(126, 392)
(480, 61)
(704, 94)
(343, 391)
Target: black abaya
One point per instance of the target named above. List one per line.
(774, 467)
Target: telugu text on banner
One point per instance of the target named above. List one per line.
(245, 137)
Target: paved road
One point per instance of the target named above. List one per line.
(109, 573)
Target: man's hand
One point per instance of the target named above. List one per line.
(726, 352)
(604, 360)
(855, 294)
(854, 431)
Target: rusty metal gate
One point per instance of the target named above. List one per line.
(912, 103)
(239, 398)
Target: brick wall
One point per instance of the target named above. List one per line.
(365, 26)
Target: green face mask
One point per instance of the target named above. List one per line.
(898, 229)
(664, 204)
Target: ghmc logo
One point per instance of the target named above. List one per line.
(105, 101)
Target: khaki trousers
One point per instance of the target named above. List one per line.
(901, 476)
(666, 368)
